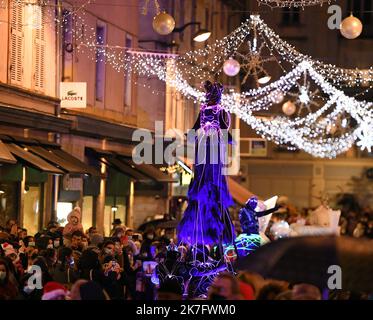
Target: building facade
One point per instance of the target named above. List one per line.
(40, 50)
(54, 158)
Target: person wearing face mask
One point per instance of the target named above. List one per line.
(27, 251)
(109, 248)
(8, 291)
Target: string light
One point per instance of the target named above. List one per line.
(310, 133)
(293, 3)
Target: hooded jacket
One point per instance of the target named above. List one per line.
(70, 227)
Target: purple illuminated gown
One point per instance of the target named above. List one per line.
(206, 219)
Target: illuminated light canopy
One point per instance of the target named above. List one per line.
(307, 131)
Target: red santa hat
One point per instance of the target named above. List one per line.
(247, 291)
(8, 249)
(53, 290)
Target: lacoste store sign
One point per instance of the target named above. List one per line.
(73, 94)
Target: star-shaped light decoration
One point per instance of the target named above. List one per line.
(253, 63)
(365, 136)
(305, 98)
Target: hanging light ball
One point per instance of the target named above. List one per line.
(276, 96)
(280, 230)
(163, 23)
(351, 27)
(231, 67)
(289, 108)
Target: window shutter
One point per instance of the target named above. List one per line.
(39, 48)
(17, 44)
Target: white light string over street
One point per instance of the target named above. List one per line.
(311, 133)
(294, 3)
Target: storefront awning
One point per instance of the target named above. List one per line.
(126, 169)
(150, 171)
(140, 172)
(5, 154)
(239, 193)
(63, 160)
(34, 161)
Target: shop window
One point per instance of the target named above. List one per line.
(33, 207)
(63, 209)
(87, 210)
(8, 202)
(115, 208)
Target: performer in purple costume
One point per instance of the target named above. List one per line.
(206, 219)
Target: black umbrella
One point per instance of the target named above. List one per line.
(170, 224)
(164, 223)
(308, 259)
(152, 223)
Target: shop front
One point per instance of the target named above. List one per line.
(29, 170)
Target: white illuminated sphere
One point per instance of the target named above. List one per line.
(289, 108)
(331, 128)
(280, 230)
(351, 27)
(231, 67)
(276, 96)
(163, 23)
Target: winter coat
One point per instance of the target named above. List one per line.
(70, 227)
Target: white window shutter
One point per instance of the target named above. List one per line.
(39, 49)
(17, 44)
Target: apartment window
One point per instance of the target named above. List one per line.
(363, 9)
(100, 61)
(290, 16)
(67, 42)
(28, 45)
(128, 77)
(39, 41)
(17, 45)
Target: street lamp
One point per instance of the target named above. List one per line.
(201, 35)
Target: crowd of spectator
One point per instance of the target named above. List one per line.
(131, 265)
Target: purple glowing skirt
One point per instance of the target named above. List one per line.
(206, 219)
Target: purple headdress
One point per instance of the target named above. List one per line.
(214, 92)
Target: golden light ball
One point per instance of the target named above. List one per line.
(289, 108)
(351, 27)
(163, 23)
